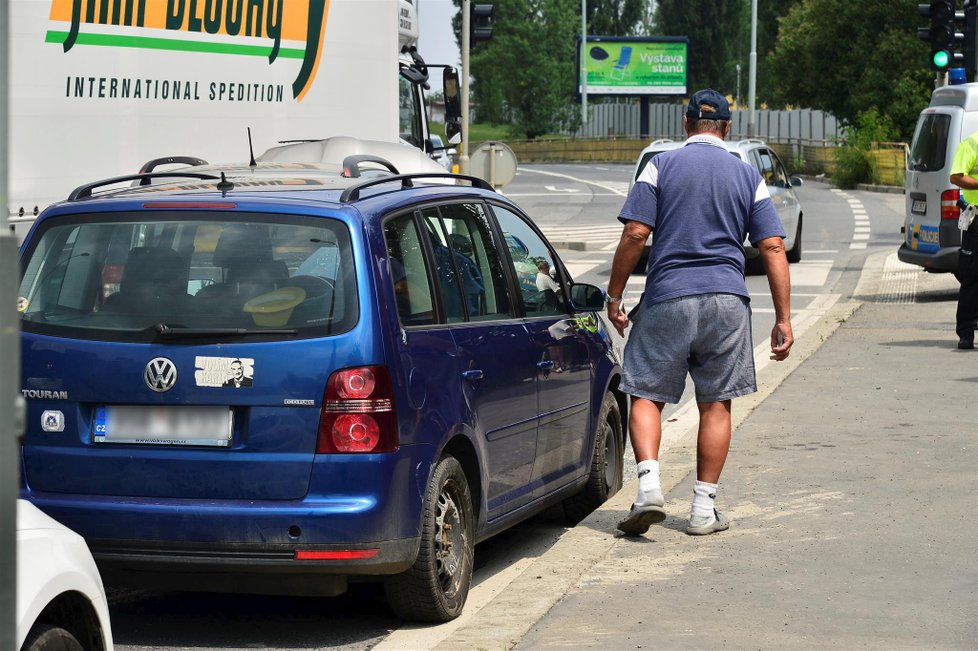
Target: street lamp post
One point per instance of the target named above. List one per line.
(583, 65)
(752, 73)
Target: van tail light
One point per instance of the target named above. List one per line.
(358, 412)
(949, 204)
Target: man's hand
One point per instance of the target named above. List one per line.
(781, 340)
(618, 317)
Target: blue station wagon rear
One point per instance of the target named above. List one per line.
(264, 385)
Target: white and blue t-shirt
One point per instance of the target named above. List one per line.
(702, 202)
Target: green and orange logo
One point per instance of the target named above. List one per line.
(229, 27)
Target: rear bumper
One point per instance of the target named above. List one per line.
(257, 569)
(944, 260)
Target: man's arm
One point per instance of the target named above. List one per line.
(779, 279)
(964, 181)
(633, 238)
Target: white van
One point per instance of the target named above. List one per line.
(930, 229)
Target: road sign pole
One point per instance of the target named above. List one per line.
(9, 370)
(463, 159)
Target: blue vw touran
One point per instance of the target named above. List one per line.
(276, 379)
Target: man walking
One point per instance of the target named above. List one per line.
(963, 170)
(700, 202)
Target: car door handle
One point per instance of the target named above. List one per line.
(473, 376)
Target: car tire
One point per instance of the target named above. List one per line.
(434, 589)
(607, 460)
(794, 255)
(44, 637)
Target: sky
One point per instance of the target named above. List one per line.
(436, 42)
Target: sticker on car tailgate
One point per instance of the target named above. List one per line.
(918, 206)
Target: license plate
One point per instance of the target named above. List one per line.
(919, 207)
(183, 425)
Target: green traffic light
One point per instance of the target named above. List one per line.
(941, 59)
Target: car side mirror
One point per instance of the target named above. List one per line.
(586, 298)
(796, 181)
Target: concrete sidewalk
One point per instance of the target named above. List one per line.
(852, 489)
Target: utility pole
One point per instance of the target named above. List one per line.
(463, 159)
(583, 65)
(752, 73)
(9, 370)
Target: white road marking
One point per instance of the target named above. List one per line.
(858, 245)
(554, 188)
(810, 273)
(610, 186)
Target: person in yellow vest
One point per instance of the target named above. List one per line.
(964, 174)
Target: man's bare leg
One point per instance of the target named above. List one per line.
(645, 430)
(712, 446)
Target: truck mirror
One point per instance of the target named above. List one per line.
(453, 101)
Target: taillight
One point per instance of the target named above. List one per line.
(358, 412)
(949, 204)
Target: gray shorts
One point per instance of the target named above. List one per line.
(707, 336)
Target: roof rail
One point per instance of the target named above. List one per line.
(748, 141)
(351, 164)
(353, 193)
(170, 160)
(85, 191)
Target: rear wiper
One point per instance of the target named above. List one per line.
(179, 332)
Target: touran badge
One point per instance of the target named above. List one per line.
(160, 374)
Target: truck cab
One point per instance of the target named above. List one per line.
(930, 230)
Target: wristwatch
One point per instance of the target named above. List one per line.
(609, 299)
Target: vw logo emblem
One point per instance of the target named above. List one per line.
(160, 374)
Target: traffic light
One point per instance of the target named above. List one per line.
(480, 24)
(971, 38)
(942, 34)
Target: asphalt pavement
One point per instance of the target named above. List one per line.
(852, 490)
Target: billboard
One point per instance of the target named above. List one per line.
(634, 66)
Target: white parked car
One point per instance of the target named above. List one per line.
(781, 186)
(442, 155)
(61, 603)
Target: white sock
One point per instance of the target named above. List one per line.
(648, 480)
(703, 496)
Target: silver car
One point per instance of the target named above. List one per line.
(780, 185)
(442, 155)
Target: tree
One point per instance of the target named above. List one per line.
(526, 75)
(716, 36)
(617, 17)
(877, 61)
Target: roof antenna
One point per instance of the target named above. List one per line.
(224, 186)
(251, 150)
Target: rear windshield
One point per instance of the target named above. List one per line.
(122, 276)
(929, 150)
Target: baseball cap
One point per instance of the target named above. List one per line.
(709, 97)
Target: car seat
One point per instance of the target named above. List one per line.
(154, 282)
(244, 251)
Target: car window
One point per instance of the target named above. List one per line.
(470, 275)
(780, 175)
(120, 276)
(929, 150)
(765, 165)
(534, 265)
(409, 273)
